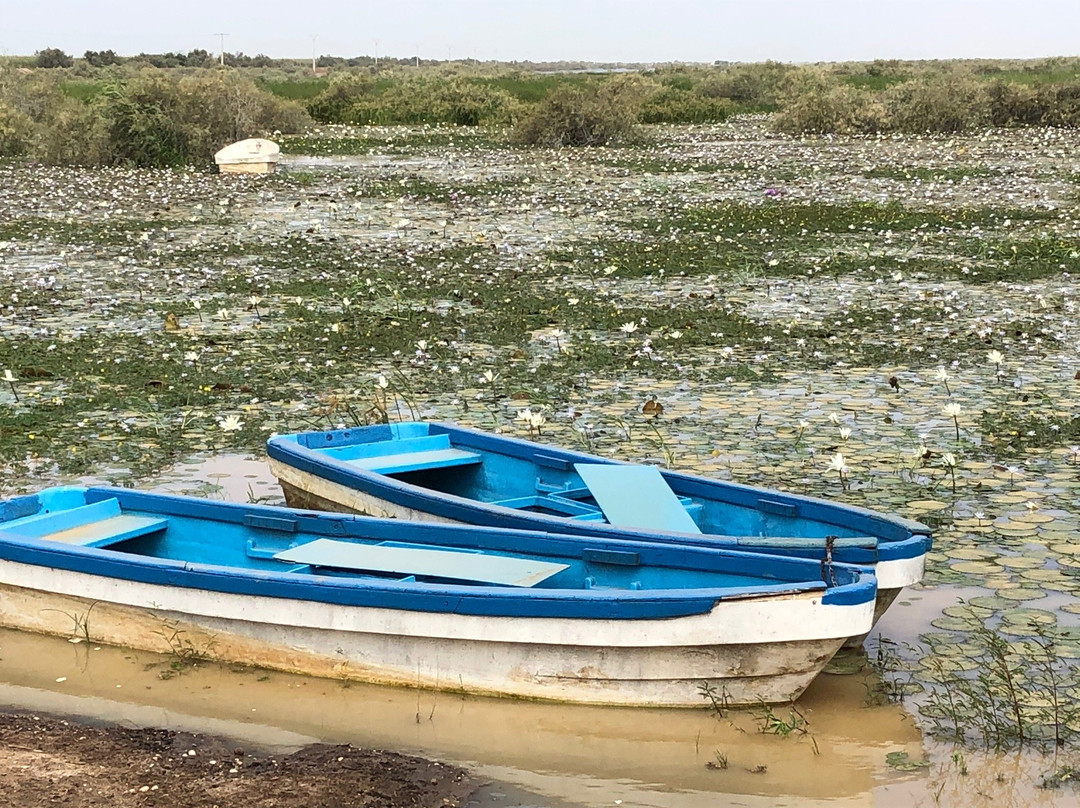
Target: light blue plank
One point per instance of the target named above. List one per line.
(378, 448)
(456, 566)
(414, 461)
(636, 496)
(98, 524)
(109, 531)
(39, 525)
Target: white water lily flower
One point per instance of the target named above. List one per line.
(231, 423)
(941, 375)
(996, 357)
(845, 432)
(628, 328)
(838, 464)
(9, 376)
(953, 410)
(949, 459)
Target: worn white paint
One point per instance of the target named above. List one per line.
(761, 648)
(255, 155)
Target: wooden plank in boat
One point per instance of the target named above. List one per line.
(636, 496)
(415, 461)
(483, 568)
(98, 524)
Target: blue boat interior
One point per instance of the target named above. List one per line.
(312, 546)
(534, 479)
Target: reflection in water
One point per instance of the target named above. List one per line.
(583, 754)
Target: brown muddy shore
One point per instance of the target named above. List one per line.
(49, 761)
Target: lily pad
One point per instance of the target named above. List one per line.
(903, 762)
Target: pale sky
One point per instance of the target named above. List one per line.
(551, 30)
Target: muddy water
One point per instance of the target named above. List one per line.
(590, 756)
(568, 755)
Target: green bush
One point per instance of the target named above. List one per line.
(157, 121)
(937, 103)
(753, 86)
(813, 103)
(584, 116)
(39, 121)
(16, 131)
(1011, 104)
(53, 57)
(334, 104)
(1061, 104)
(360, 100)
(152, 119)
(681, 106)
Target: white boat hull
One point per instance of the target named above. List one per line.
(751, 650)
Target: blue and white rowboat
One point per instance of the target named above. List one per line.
(453, 474)
(478, 610)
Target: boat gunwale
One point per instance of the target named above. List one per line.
(294, 450)
(620, 604)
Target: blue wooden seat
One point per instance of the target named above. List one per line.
(401, 559)
(404, 454)
(98, 524)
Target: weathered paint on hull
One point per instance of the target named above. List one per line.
(632, 666)
(247, 168)
(310, 492)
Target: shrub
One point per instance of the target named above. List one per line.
(333, 105)
(937, 103)
(672, 105)
(583, 116)
(1061, 104)
(53, 57)
(357, 100)
(814, 103)
(102, 58)
(150, 120)
(755, 85)
(156, 121)
(16, 131)
(39, 121)
(1014, 104)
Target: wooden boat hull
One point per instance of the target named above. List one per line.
(761, 647)
(290, 636)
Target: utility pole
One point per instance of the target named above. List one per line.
(313, 38)
(222, 49)
(376, 54)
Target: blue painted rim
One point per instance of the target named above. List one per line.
(855, 585)
(898, 538)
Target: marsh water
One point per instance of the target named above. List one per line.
(558, 754)
(905, 307)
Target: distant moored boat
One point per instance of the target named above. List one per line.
(255, 155)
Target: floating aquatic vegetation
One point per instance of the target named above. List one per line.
(754, 284)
